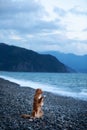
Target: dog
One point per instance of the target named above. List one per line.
(37, 111)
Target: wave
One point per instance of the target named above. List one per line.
(49, 88)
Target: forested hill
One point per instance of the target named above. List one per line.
(13, 58)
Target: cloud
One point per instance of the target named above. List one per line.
(24, 17)
(18, 14)
(15, 7)
(61, 12)
(16, 37)
(44, 24)
(85, 30)
(78, 11)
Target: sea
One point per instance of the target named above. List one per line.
(64, 84)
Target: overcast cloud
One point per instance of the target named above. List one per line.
(43, 25)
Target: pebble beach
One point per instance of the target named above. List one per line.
(60, 113)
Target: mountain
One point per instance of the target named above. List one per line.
(14, 58)
(76, 62)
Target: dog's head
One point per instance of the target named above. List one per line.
(39, 91)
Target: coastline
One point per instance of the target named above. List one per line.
(60, 113)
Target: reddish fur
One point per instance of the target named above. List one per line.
(37, 105)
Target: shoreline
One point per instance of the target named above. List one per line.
(61, 93)
(60, 112)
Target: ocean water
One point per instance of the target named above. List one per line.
(65, 84)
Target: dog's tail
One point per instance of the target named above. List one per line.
(26, 116)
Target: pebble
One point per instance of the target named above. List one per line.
(16, 100)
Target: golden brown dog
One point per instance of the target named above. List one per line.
(37, 105)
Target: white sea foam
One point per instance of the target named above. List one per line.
(27, 83)
(49, 88)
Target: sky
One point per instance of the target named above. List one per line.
(45, 25)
